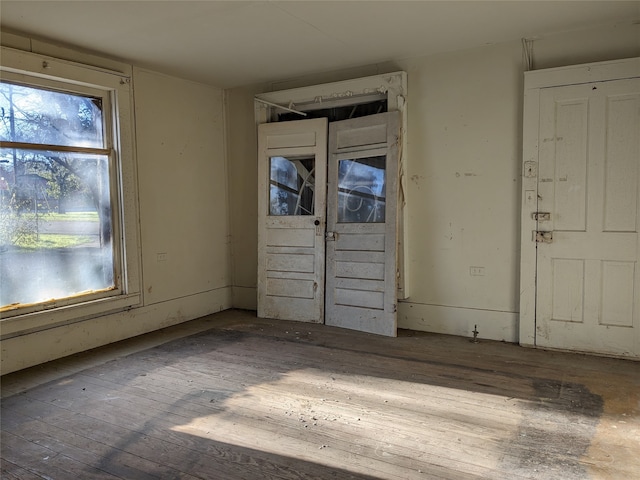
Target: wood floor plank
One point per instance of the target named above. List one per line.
(47, 462)
(256, 420)
(106, 393)
(11, 471)
(83, 449)
(157, 421)
(175, 449)
(335, 386)
(252, 398)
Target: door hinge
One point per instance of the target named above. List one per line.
(543, 237)
(541, 216)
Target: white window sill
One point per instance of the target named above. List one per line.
(21, 324)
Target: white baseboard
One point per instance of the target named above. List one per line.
(492, 325)
(45, 345)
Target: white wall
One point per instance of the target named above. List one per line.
(198, 204)
(463, 177)
(462, 170)
(183, 212)
(242, 149)
(182, 186)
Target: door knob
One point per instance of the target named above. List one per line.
(316, 222)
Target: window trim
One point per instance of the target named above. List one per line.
(119, 128)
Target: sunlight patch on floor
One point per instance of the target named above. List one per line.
(333, 419)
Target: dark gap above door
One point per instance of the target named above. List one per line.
(334, 114)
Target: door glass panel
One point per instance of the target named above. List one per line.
(361, 190)
(292, 182)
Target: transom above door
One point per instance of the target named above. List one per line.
(327, 245)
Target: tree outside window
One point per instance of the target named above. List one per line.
(55, 200)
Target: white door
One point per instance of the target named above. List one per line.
(291, 218)
(361, 224)
(588, 279)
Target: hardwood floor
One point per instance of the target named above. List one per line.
(236, 397)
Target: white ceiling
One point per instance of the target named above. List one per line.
(232, 43)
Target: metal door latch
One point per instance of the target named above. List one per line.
(543, 237)
(541, 216)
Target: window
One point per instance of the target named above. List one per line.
(65, 221)
(55, 205)
(362, 190)
(292, 181)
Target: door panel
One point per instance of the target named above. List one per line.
(291, 218)
(588, 296)
(361, 224)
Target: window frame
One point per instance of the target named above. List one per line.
(41, 71)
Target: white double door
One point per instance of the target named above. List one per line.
(327, 222)
(588, 280)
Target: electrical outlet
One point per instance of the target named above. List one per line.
(162, 257)
(476, 271)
